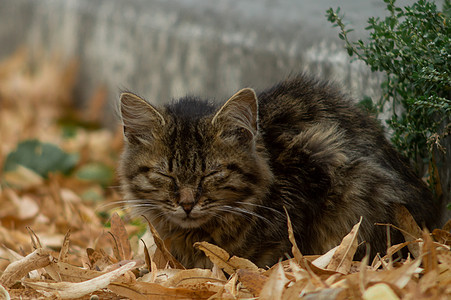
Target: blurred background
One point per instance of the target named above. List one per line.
(166, 49)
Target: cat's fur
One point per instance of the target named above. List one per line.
(223, 174)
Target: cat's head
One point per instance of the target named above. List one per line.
(189, 163)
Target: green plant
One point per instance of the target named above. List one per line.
(42, 158)
(412, 47)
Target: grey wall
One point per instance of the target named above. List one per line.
(166, 49)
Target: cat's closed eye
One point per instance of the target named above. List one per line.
(143, 169)
(229, 188)
(211, 174)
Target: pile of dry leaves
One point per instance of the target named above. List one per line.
(60, 236)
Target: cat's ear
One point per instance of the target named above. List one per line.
(240, 111)
(140, 119)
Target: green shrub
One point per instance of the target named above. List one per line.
(411, 46)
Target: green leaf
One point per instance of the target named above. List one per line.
(97, 172)
(42, 158)
(93, 194)
(367, 104)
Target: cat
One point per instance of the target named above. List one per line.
(223, 174)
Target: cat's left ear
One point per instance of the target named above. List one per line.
(241, 111)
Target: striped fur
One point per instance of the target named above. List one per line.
(223, 174)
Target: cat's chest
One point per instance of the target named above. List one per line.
(182, 245)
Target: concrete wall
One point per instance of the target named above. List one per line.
(166, 49)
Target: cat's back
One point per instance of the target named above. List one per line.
(302, 101)
(303, 104)
(317, 138)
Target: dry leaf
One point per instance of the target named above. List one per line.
(275, 285)
(156, 291)
(4, 293)
(221, 258)
(161, 262)
(337, 293)
(297, 272)
(342, 258)
(399, 277)
(410, 229)
(230, 286)
(104, 260)
(395, 248)
(447, 226)
(190, 277)
(363, 277)
(380, 291)
(62, 271)
(252, 280)
(295, 250)
(444, 257)
(39, 258)
(324, 260)
(23, 178)
(153, 273)
(121, 235)
(429, 281)
(159, 276)
(117, 247)
(430, 262)
(66, 290)
(316, 274)
(164, 251)
(62, 257)
(444, 277)
(296, 290)
(442, 236)
(25, 206)
(129, 291)
(218, 273)
(98, 259)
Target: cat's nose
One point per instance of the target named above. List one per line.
(187, 207)
(187, 199)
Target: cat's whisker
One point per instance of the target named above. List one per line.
(112, 205)
(149, 213)
(147, 207)
(217, 204)
(243, 212)
(251, 213)
(262, 206)
(220, 216)
(113, 187)
(125, 202)
(236, 210)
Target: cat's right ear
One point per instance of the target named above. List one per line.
(238, 117)
(140, 119)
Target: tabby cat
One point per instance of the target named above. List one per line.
(224, 174)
